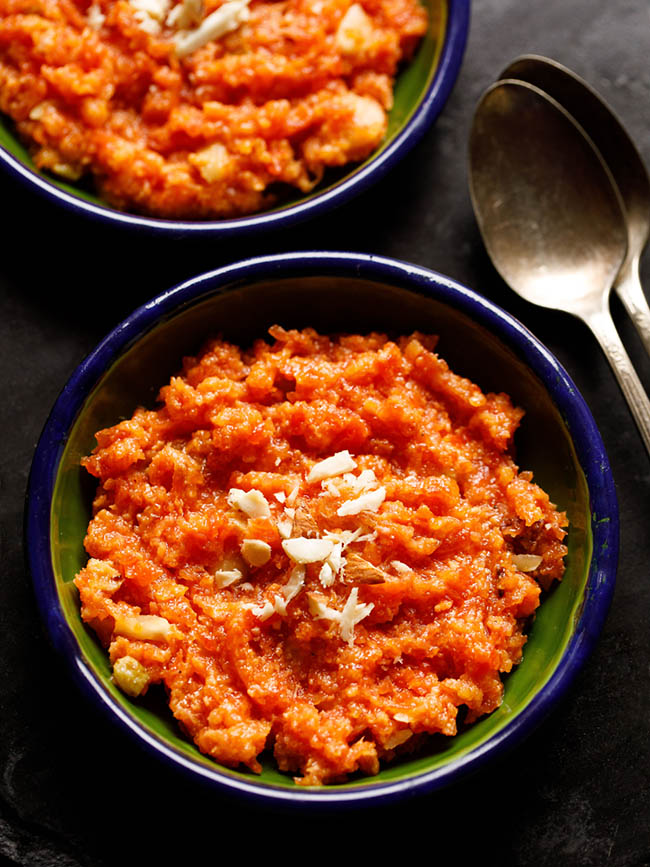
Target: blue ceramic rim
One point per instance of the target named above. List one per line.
(572, 407)
(426, 112)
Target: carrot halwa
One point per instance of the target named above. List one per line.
(321, 547)
(202, 108)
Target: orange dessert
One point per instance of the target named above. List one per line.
(322, 548)
(198, 109)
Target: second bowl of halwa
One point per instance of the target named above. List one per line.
(222, 117)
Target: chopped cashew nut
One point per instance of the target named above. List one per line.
(227, 17)
(130, 675)
(294, 584)
(226, 577)
(231, 569)
(111, 578)
(38, 112)
(369, 502)
(341, 462)
(365, 481)
(353, 612)
(253, 503)
(263, 612)
(326, 575)
(148, 627)
(321, 611)
(150, 14)
(280, 602)
(285, 526)
(335, 559)
(302, 550)
(347, 537)
(526, 562)
(66, 170)
(255, 552)
(293, 495)
(280, 605)
(354, 31)
(213, 162)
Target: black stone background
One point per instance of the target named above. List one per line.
(75, 791)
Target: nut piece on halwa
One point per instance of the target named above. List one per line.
(355, 30)
(226, 577)
(230, 570)
(285, 526)
(253, 503)
(146, 627)
(360, 571)
(150, 14)
(353, 612)
(356, 124)
(336, 465)
(130, 675)
(213, 162)
(292, 496)
(367, 124)
(369, 502)
(107, 576)
(302, 550)
(186, 14)
(224, 19)
(256, 552)
(303, 524)
(526, 562)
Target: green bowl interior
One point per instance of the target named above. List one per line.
(243, 313)
(411, 85)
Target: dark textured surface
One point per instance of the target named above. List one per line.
(75, 792)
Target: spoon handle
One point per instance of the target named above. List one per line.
(628, 288)
(602, 325)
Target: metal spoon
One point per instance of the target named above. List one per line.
(551, 216)
(622, 158)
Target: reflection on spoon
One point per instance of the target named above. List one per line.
(623, 160)
(551, 216)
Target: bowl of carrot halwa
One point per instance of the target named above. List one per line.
(322, 528)
(218, 116)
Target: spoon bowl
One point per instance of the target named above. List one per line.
(551, 216)
(620, 154)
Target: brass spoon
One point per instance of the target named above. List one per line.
(622, 158)
(551, 216)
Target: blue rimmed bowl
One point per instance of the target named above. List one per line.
(558, 441)
(421, 90)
